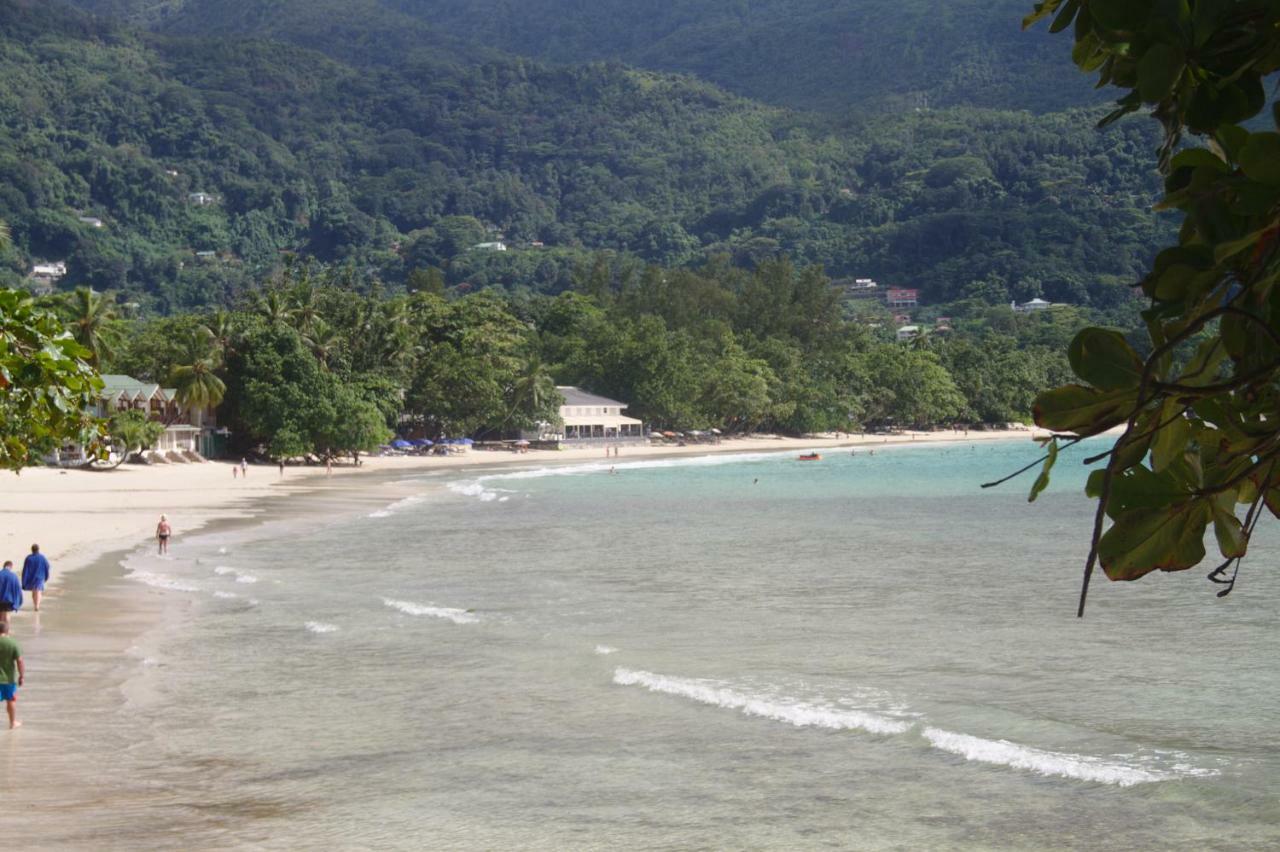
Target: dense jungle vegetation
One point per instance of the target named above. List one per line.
(397, 167)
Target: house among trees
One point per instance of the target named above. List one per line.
(897, 297)
(590, 418)
(498, 246)
(861, 288)
(91, 221)
(44, 276)
(1028, 307)
(201, 199)
(182, 441)
(908, 332)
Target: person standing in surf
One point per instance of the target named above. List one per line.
(12, 674)
(163, 531)
(10, 592)
(35, 573)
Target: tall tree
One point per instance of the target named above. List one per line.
(95, 324)
(196, 381)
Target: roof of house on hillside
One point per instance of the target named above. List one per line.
(577, 396)
(114, 385)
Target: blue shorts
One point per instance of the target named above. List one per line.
(8, 691)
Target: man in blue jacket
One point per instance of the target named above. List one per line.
(10, 592)
(35, 573)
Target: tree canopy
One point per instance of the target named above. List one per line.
(47, 388)
(1198, 401)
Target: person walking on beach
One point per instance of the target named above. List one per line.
(35, 573)
(12, 674)
(163, 531)
(10, 592)
(235, 471)
(244, 467)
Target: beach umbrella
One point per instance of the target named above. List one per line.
(655, 434)
(421, 442)
(668, 434)
(715, 432)
(401, 444)
(466, 441)
(522, 443)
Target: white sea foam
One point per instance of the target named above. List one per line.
(798, 713)
(457, 616)
(321, 627)
(222, 550)
(161, 581)
(605, 650)
(405, 503)
(1116, 770)
(1062, 764)
(482, 487)
(246, 578)
(224, 569)
(225, 595)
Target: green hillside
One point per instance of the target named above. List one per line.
(406, 163)
(823, 54)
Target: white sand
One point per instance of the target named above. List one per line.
(76, 516)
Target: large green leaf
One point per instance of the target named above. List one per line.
(1082, 410)
(1042, 481)
(1260, 158)
(1158, 71)
(1104, 359)
(1144, 540)
(1232, 541)
(1170, 442)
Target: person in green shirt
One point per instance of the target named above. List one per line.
(12, 673)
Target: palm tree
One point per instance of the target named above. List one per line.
(4, 235)
(273, 307)
(305, 310)
(94, 324)
(197, 384)
(221, 327)
(324, 340)
(532, 390)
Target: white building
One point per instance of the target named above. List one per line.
(1028, 307)
(587, 417)
(91, 221)
(498, 246)
(908, 332)
(200, 199)
(44, 276)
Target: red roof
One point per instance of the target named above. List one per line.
(898, 293)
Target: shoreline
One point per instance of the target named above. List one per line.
(87, 647)
(79, 516)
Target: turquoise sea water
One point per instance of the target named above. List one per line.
(734, 652)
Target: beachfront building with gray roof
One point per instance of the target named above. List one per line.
(587, 417)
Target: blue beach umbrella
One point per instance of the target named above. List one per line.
(401, 444)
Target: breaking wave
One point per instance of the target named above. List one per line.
(798, 713)
(1077, 767)
(321, 627)
(457, 616)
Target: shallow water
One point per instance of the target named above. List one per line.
(863, 652)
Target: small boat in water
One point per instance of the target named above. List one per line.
(810, 457)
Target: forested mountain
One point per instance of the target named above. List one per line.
(825, 54)
(363, 135)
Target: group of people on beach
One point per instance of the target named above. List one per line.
(35, 573)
